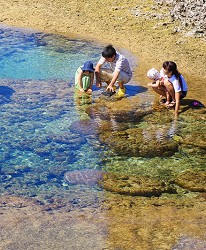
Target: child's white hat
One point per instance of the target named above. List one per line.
(153, 74)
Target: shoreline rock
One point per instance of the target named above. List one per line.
(190, 14)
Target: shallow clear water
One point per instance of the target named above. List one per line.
(28, 55)
(38, 108)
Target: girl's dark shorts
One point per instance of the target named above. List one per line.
(183, 94)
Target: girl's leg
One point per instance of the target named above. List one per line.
(168, 98)
(168, 85)
(161, 91)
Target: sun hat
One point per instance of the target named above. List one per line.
(88, 66)
(153, 74)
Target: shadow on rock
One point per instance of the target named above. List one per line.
(133, 90)
(191, 104)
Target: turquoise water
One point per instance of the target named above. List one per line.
(28, 55)
(37, 108)
(42, 136)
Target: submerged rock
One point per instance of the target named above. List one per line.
(137, 142)
(127, 111)
(134, 185)
(86, 177)
(193, 180)
(66, 138)
(194, 139)
(85, 127)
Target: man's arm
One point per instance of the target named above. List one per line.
(114, 78)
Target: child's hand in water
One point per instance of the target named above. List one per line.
(98, 84)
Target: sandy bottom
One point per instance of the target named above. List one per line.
(119, 223)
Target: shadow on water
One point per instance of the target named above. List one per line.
(134, 90)
(131, 90)
(5, 94)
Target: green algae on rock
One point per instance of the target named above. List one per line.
(193, 180)
(134, 185)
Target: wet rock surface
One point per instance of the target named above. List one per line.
(134, 185)
(132, 142)
(193, 180)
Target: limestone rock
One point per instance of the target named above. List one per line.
(134, 185)
(133, 142)
(192, 180)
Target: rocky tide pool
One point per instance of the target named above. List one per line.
(72, 151)
(48, 130)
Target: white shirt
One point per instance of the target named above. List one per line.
(120, 63)
(176, 84)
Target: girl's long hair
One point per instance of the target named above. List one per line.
(172, 67)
